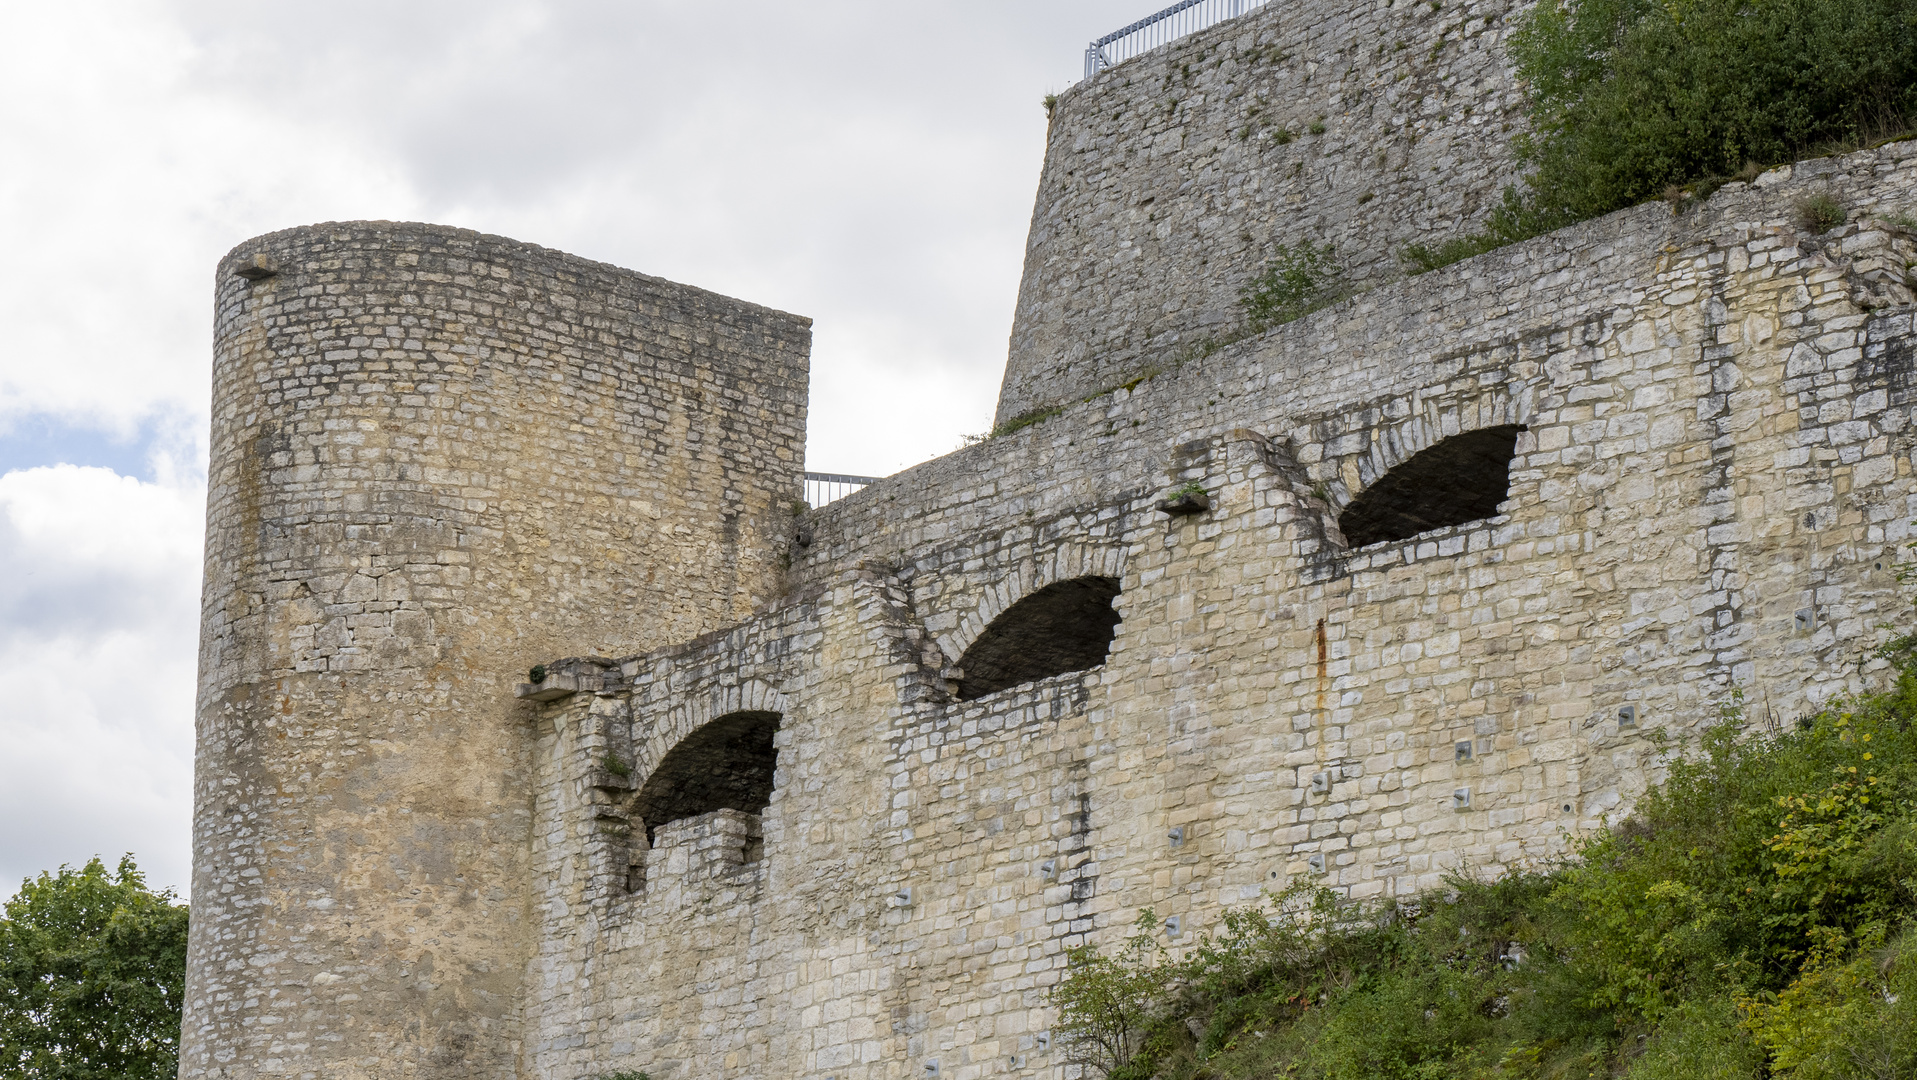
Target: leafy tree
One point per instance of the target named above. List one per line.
(92, 972)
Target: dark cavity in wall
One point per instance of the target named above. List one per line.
(1066, 626)
(725, 765)
(1890, 362)
(1460, 479)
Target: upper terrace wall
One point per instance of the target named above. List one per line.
(439, 457)
(1719, 438)
(1171, 179)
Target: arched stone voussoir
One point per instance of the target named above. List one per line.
(1061, 563)
(1427, 421)
(653, 741)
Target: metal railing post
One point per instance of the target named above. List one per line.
(1184, 17)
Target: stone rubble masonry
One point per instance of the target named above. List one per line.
(438, 458)
(441, 458)
(1171, 179)
(1717, 441)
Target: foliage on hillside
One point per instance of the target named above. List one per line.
(1756, 916)
(92, 973)
(1633, 100)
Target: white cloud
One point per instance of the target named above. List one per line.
(128, 179)
(97, 653)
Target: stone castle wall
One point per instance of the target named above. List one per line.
(438, 458)
(441, 458)
(1712, 492)
(1171, 179)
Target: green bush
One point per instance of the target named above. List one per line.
(1515, 219)
(1629, 98)
(1820, 213)
(1844, 1017)
(1633, 100)
(1755, 917)
(1297, 281)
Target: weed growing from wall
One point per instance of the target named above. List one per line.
(1297, 281)
(1820, 213)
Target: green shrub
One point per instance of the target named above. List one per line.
(1106, 1004)
(1297, 281)
(1422, 258)
(1515, 219)
(1702, 1039)
(1843, 1018)
(1820, 213)
(1630, 98)
(1755, 917)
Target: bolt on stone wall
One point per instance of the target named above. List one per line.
(439, 457)
(1171, 179)
(1717, 441)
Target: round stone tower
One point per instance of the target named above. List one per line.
(439, 457)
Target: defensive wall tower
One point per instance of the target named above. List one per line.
(437, 458)
(1170, 180)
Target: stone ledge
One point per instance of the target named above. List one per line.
(574, 675)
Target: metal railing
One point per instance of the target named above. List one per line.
(825, 487)
(1184, 17)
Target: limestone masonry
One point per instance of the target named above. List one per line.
(544, 733)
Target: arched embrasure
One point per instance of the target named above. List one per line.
(1462, 478)
(726, 764)
(1065, 626)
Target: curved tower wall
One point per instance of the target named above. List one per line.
(1173, 179)
(438, 458)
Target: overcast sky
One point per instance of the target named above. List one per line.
(868, 164)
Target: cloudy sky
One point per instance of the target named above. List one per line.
(868, 164)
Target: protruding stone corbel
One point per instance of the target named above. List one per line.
(564, 678)
(257, 267)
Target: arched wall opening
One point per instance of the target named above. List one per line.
(726, 764)
(1454, 481)
(1065, 626)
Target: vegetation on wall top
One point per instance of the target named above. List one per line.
(1628, 98)
(1634, 100)
(1297, 280)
